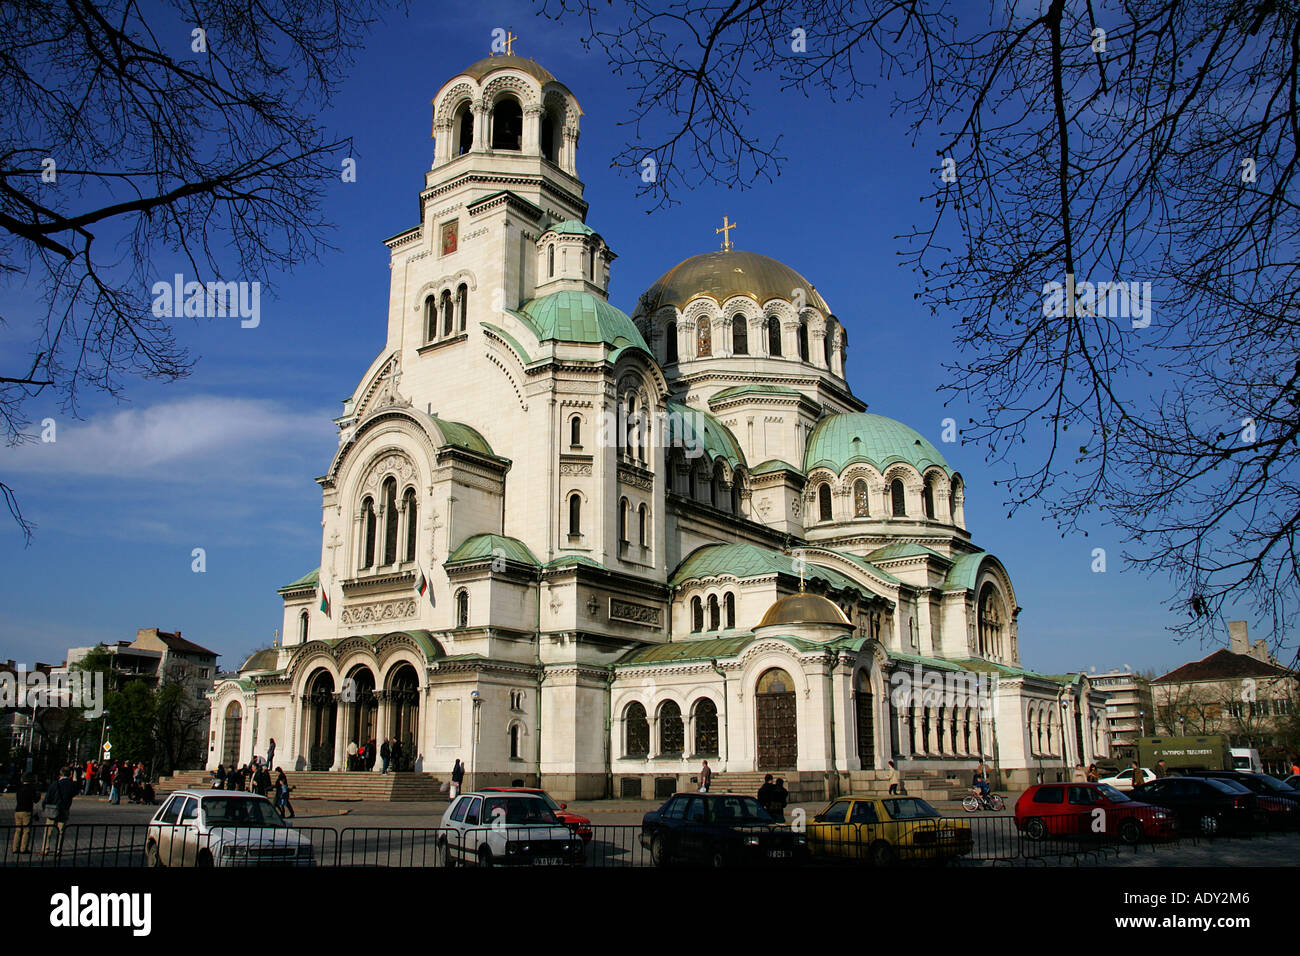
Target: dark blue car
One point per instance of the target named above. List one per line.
(719, 829)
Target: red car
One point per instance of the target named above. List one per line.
(1089, 809)
(578, 824)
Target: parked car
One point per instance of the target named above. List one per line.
(1293, 781)
(1089, 809)
(1246, 759)
(506, 829)
(574, 821)
(719, 829)
(1203, 803)
(223, 828)
(885, 830)
(1124, 779)
(1280, 803)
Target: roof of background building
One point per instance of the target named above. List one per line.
(183, 645)
(1223, 664)
(841, 440)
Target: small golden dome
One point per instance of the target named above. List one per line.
(804, 608)
(724, 274)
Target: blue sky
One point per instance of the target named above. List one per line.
(225, 459)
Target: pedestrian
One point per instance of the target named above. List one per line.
(457, 777)
(766, 795)
(1161, 772)
(262, 781)
(982, 779)
(386, 753)
(396, 751)
(282, 791)
(1078, 775)
(706, 777)
(270, 753)
(1093, 773)
(219, 778)
(1138, 776)
(56, 807)
(895, 780)
(120, 778)
(24, 808)
(371, 753)
(352, 755)
(781, 796)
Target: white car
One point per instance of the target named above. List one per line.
(1124, 779)
(223, 828)
(506, 829)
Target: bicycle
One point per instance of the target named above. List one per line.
(976, 800)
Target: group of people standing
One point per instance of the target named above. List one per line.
(114, 779)
(55, 806)
(255, 778)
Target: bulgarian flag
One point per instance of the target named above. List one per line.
(324, 600)
(422, 585)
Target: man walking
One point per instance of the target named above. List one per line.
(23, 807)
(767, 794)
(385, 754)
(270, 754)
(57, 805)
(895, 780)
(457, 777)
(706, 777)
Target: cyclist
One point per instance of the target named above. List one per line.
(982, 780)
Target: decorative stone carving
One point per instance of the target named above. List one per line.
(642, 614)
(393, 463)
(575, 468)
(379, 611)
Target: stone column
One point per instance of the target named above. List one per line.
(532, 139)
(338, 736)
(482, 126)
(381, 727)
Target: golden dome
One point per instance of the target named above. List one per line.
(804, 608)
(724, 274)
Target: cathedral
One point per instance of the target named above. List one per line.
(589, 549)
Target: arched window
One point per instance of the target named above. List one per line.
(670, 342)
(430, 319)
(412, 524)
(547, 138)
(302, 627)
(735, 494)
(773, 335)
(464, 129)
(898, 498)
(828, 343)
(697, 615)
(636, 731)
(550, 261)
(575, 431)
(990, 622)
(824, 501)
(507, 124)
(622, 521)
(640, 525)
(575, 514)
(390, 521)
(446, 313)
(672, 732)
(729, 610)
(739, 336)
(803, 340)
(715, 619)
(514, 741)
(706, 728)
(715, 487)
(591, 265)
(462, 306)
(368, 521)
(462, 608)
(927, 498)
(861, 500)
(704, 337)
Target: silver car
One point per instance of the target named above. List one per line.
(506, 829)
(223, 828)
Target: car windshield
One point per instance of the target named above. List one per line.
(550, 804)
(239, 812)
(1111, 794)
(1227, 786)
(735, 809)
(520, 811)
(910, 808)
(1272, 783)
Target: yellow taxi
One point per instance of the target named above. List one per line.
(887, 830)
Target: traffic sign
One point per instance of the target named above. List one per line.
(108, 747)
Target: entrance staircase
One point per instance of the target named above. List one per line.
(323, 785)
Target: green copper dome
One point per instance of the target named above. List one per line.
(572, 316)
(570, 227)
(841, 440)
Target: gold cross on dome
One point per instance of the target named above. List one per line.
(510, 39)
(726, 233)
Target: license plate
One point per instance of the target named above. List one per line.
(779, 854)
(548, 861)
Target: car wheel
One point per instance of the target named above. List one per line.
(1130, 831)
(1036, 829)
(882, 854)
(1210, 825)
(151, 854)
(659, 851)
(442, 853)
(970, 804)
(485, 856)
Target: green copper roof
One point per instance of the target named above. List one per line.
(309, 580)
(878, 572)
(841, 440)
(906, 550)
(570, 227)
(693, 428)
(685, 651)
(479, 546)
(462, 436)
(738, 390)
(774, 464)
(572, 316)
(565, 560)
(964, 571)
(751, 561)
(510, 340)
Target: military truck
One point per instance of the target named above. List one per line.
(1181, 754)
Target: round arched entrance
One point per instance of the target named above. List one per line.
(864, 704)
(362, 714)
(232, 728)
(322, 720)
(404, 713)
(776, 721)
